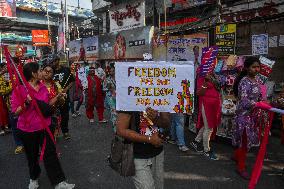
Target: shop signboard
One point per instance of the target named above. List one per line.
(185, 4)
(225, 39)
(127, 16)
(259, 44)
(89, 45)
(130, 44)
(40, 37)
(164, 86)
(186, 47)
(8, 8)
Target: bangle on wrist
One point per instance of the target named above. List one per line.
(203, 87)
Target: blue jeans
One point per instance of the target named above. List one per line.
(13, 123)
(177, 128)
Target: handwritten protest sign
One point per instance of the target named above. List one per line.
(164, 86)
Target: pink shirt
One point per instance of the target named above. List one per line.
(29, 120)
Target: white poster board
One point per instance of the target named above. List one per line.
(127, 16)
(260, 44)
(164, 86)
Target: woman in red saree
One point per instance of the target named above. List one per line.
(94, 97)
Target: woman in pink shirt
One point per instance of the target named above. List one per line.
(32, 128)
(209, 113)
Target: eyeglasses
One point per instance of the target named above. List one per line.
(48, 71)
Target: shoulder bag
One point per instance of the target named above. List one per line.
(121, 158)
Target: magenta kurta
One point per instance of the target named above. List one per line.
(211, 101)
(29, 120)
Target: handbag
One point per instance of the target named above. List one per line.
(121, 158)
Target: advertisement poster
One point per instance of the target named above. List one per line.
(164, 86)
(88, 45)
(273, 41)
(187, 47)
(74, 50)
(225, 39)
(260, 44)
(8, 8)
(131, 44)
(40, 37)
(159, 44)
(127, 16)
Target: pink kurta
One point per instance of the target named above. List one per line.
(29, 120)
(211, 101)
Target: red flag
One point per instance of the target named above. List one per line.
(18, 74)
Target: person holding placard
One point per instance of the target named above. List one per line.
(148, 145)
(209, 113)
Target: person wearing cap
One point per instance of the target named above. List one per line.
(94, 97)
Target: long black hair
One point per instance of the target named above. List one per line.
(248, 62)
(29, 69)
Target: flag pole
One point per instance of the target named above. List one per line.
(1, 53)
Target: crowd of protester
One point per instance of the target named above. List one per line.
(37, 112)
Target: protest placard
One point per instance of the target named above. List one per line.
(164, 86)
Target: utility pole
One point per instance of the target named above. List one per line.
(48, 23)
(165, 12)
(64, 27)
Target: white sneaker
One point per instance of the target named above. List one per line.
(103, 121)
(92, 121)
(183, 148)
(64, 185)
(33, 184)
(74, 115)
(2, 132)
(78, 113)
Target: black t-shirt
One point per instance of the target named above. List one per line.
(144, 150)
(63, 76)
